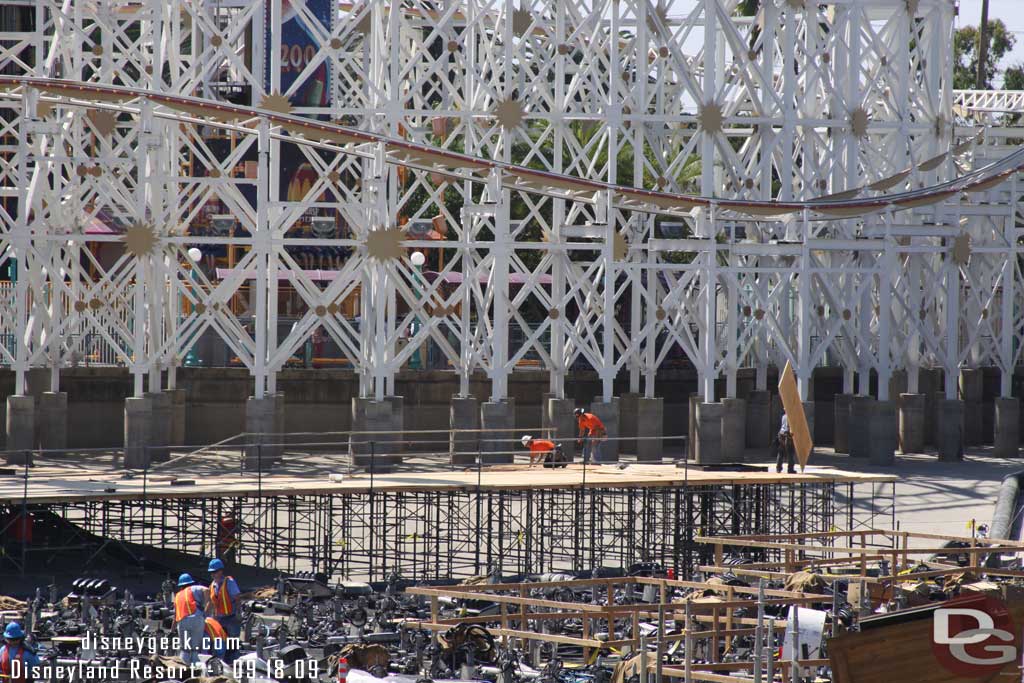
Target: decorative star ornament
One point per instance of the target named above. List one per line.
(385, 244)
(510, 114)
(139, 240)
(276, 102)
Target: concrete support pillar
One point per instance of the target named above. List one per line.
(397, 421)
(560, 417)
(1007, 427)
(178, 412)
(691, 438)
(911, 431)
(650, 423)
(950, 427)
(609, 415)
(138, 432)
(279, 429)
(53, 420)
(734, 430)
(758, 428)
(376, 426)
(882, 437)
(464, 414)
(972, 393)
(629, 407)
(259, 425)
(709, 433)
(859, 426)
(498, 441)
(21, 428)
(809, 415)
(160, 434)
(841, 422)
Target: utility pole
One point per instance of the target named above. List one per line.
(979, 83)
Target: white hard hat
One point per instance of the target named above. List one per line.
(527, 439)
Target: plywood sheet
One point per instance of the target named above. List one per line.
(790, 396)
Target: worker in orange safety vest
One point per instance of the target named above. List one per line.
(592, 433)
(190, 603)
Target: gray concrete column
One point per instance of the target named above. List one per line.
(277, 452)
(650, 423)
(609, 415)
(1007, 427)
(709, 433)
(463, 414)
(178, 412)
(882, 439)
(21, 428)
(734, 429)
(397, 422)
(950, 437)
(259, 425)
(691, 436)
(972, 394)
(809, 416)
(376, 426)
(841, 422)
(859, 426)
(758, 428)
(629, 406)
(160, 435)
(911, 430)
(138, 432)
(560, 417)
(498, 441)
(53, 420)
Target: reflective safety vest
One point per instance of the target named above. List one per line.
(221, 598)
(7, 666)
(184, 604)
(542, 446)
(214, 630)
(592, 423)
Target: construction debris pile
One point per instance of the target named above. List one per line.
(792, 608)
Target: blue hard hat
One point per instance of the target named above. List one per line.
(185, 580)
(14, 631)
(215, 565)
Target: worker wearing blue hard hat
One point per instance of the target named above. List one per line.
(224, 592)
(17, 660)
(190, 605)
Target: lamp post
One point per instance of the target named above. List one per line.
(195, 255)
(418, 259)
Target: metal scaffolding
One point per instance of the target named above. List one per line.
(432, 535)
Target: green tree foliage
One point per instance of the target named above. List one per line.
(1013, 77)
(965, 54)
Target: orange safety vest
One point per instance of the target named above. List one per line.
(542, 446)
(591, 422)
(184, 604)
(214, 630)
(7, 668)
(221, 599)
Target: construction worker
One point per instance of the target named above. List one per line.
(17, 660)
(784, 442)
(190, 617)
(216, 640)
(542, 450)
(224, 594)
(591, 434)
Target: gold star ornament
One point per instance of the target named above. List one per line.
(139, 240)
(385, 244)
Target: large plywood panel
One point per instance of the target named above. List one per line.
(790, 396)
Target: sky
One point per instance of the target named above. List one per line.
(1010, 11)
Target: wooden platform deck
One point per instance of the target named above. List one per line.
(52, 483)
